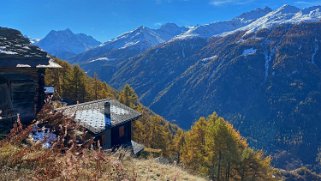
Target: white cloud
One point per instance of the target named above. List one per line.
(233, 2)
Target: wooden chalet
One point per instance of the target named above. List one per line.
(109, 120)
(22, 68)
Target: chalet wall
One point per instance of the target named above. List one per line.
(22, 90)
(106, 139)
(5, 99)
(115, 134)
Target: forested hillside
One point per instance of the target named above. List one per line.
(211, 148)
(264, 78)
(266, 83)
(260, 71)
(72, 85)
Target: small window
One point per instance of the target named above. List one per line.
(121, 131)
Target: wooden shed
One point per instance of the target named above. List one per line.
(22, 68)
(109, 120)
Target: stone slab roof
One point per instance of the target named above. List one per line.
(92, 115)
(17, 51)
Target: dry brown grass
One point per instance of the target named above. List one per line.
(152, 170)
(73, 157)
(20, 163)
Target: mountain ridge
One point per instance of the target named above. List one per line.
(140, 39)
(286, 14)
(114, 53)
(212, 29)
(65, 43)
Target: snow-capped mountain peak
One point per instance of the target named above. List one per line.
(217, 28)
(311, 14)
(284, 15)
(141, 34)
(287, 9)
(169, 30)
(253, 15)
(132, 42)
(311, 10)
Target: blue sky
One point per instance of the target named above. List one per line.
(105, 19)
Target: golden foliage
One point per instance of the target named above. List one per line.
(72, 84)
(213, 147)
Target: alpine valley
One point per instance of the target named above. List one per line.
(260, 70)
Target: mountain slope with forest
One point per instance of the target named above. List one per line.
(156, 133)
(107, 59)
(258, 80)
(266, 82)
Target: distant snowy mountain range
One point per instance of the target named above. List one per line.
(284, 15)
(217, 28)
(78, 48)
(130, 43)
(65, 44)
(109, 56)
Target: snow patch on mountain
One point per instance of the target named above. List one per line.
(268, 58)
(169, 30)
(215, 57)
(183, 53)
(100, 59)
(284, 15)
(217, 28)
(311, 14)
(136, 41)
(34, 40)
(250, 51)
(316, 49)
(140, 37)
(129, 44)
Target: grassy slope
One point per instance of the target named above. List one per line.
(152, 170)
(72, 156)
(39, 164)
